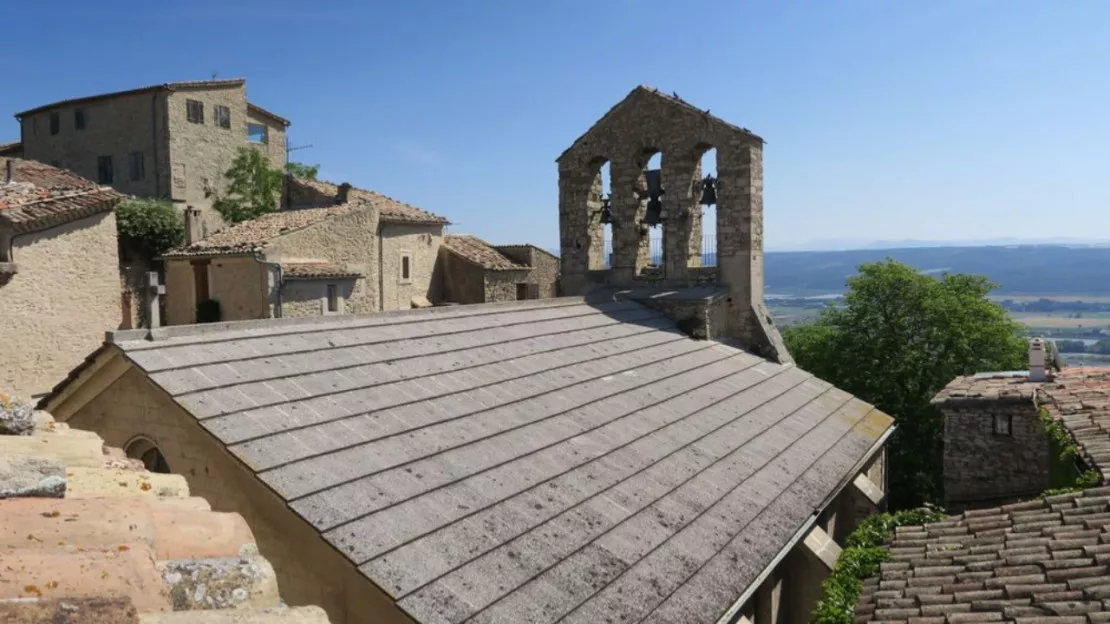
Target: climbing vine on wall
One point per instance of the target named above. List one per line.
(864, 551)
(1062, 472)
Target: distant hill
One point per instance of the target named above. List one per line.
(1018, 269)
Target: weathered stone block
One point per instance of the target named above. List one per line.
(26, 475)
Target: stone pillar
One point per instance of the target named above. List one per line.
(681, 205)
(575, 242)
(629, 243)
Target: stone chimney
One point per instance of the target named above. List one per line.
(341, 194)
(193, 225)
(1036, 360)
(722, 301)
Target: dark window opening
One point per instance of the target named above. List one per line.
(333, 298)
(194, 111)
(136, 165)
(104, 169)
(55, 123)
(1003, 424)
(79, 119)
(521, 292)
(222, 115)
(405, 269)
(200, 280)
(154, 461)
(257, 133)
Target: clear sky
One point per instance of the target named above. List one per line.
(937, 119)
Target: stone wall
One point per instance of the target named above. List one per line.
(274, 148)
(463, 281)
(644, 123)
(421, 243)
(55, 309)
(309, 297)
(983, 468)
(241, 286)
(115, 127)
(180, 292)
(545, 267)
(502, 285)
(347, 240)
(309, 570)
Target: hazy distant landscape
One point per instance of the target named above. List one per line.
(1057, 291)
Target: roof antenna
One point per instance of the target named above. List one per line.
(214, 74)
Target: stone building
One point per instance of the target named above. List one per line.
(333, 250)
(59, 281)
(473, 271)
(96, 536)
(996, 449)
(173, 141)
(645, 123)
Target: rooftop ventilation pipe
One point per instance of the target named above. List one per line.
(1036, 360)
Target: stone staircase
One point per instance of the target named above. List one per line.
(88, 535)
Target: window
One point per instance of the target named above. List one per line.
(521, 292)
(1003, 424)
(222, 114)
(194, 111)
(257, 133)
(79, 119)
(104, 169)
(200, 281)
(333, 298)
(55, 123)
(135, 164)
(406, 268)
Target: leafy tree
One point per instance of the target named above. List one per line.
(897, 338)
(302, 170)
(253, 187)
(150, 226)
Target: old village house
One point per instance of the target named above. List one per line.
(476, 272)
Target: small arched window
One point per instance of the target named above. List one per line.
(145, 450)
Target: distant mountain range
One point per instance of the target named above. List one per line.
(854, 244)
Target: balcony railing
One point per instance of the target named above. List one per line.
(655, 247)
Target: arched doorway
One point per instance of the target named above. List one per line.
(144, 449)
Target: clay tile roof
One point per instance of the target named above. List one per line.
(15, 148)
(262, 111)
(479, 252)
(41, 196)
(391, 210)
(168, 86)
(253, 235)
(97, 538)
(1080, 399)
(312, 270)
(1044, 560)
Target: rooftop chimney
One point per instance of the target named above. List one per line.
(192, 225)
(1036, 360)
(341, 194)
(9, 174)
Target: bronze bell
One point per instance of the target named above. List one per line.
(655, 191)
(708, 191)
(607, 210)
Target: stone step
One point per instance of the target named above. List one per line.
(84, 482)
(67, 610)
(97, 522)
(71, 449)
(246, 582)
(28, 475)
(280, 615)
(127, 570)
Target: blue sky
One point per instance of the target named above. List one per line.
(940, 120)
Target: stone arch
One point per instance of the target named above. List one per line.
(600, 234)
(650, 251)
(703, 222)
(143, 448)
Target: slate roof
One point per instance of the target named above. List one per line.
(41, 196)
(480, 253)
(645, 90)
(96, 538)
(1037, 562)
(540, 461)
(391, 210)
(168, 86)
(253, 235)
(315, 270)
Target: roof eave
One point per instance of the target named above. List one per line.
(166, 86)
(262, 111)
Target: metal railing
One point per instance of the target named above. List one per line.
(655, 251)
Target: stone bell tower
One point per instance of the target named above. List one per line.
(722, 301)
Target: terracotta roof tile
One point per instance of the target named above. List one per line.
(15, 148)
(253, 235)
(41, 196)
(480, 252)
(96, 538)
(1044, 563)
(168, 86)
(310, 270)
(391, 210)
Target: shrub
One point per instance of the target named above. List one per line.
(150, 226)
(208, 311)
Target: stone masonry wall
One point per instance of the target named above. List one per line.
(463, 281)
(241, 287)
(200, 153)
(348, 240)
(305, 297)
(114, 127)
(309, 570)
(180, 296)
(422, 243)
(274, 148)
(982, 468)
(55, 310)
(502, 285)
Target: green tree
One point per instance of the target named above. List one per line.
(302, 170)
(150, 226)
(899, 337)
(253, 187)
